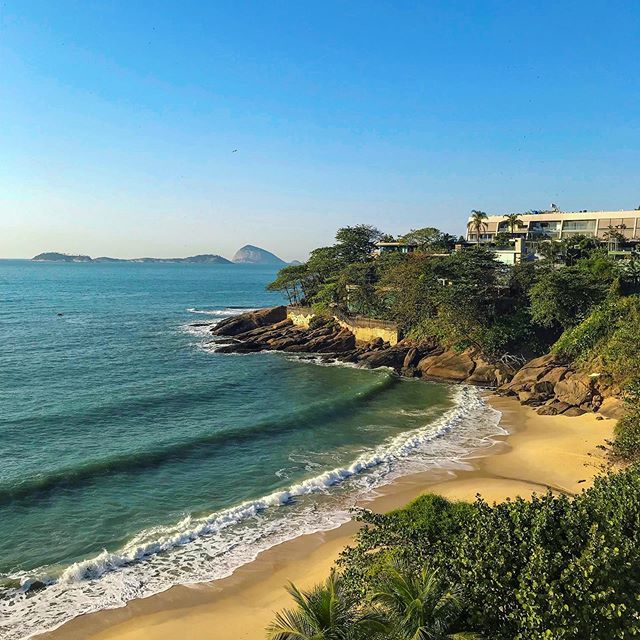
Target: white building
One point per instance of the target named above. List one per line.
(557, 225)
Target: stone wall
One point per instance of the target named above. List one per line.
(364, 329)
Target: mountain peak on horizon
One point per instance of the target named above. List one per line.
(250, 254)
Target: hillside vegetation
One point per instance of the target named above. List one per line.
(552, 568)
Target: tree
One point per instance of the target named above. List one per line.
(294, 282)
(326, 612)
(477, 223)
(429, 239)
(614, 238)
(513, 220)
(356, 244)
(562, 298)
(502, 239)
(418, 605)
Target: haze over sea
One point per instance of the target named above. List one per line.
(134, 457)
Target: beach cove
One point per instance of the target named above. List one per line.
(541, 452)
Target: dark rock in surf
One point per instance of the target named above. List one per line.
(252, 320)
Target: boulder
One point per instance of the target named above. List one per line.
(544, 389)
(560, 407)
(574, 411)
(484, 373)
(251, 320)
(530, 398)
(574, 390)
(448, 366)
(393, 357)
(547, 410)
(411, 359)
(343, 341)
(547, 360)
(502, 377)
(555, 375)
(527, 375)
(613, 407)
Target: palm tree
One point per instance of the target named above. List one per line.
(419, 606)
(513, 220)
(477, 222)
(326, 612)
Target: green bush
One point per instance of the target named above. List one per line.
(627, 431)
(609, 338)
(553, 568)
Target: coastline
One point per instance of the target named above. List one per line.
(540, 452)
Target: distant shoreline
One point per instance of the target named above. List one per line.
(249, 254)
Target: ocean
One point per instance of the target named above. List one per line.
(134, 457)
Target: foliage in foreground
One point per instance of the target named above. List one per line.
(626, 444)
(553, 568)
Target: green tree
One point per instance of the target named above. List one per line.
(356, 244)
(326, 612)
(502, 239)
(429, 239)
(477, 223)
(562, 298)
(294, 282)
(514, 221)
(418, 605)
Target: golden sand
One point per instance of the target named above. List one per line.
(541, 452)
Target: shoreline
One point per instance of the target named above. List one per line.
(539, 452)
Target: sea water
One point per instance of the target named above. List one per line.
(133, 457)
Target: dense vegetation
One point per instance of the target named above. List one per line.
(552, 568)
(463, 298)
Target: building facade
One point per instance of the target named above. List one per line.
(557, 225)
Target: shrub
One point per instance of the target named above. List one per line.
(627, 431)
(552, 568)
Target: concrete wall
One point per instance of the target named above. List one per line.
(300, 316)
(364, 329)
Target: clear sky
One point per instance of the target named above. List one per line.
(119, 118)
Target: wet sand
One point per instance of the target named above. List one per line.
(540, 453)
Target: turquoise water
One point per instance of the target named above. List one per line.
(134, 457)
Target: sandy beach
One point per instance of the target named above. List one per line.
(540, 452)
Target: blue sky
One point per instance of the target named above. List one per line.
(118, 119)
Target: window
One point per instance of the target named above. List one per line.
(577, 227)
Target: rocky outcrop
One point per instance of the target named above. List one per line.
(448, 366)
(574, 390)
(555, 388)
(269, 329)
(546, 383)
(251, 320)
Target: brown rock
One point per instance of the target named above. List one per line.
(251, 320)
(546, 360)
(530, 398)
(502, 377)
(543, 389)
(393, 357)
(528, 374)
(560, 407)
(574, 411)
(449, 366)
(484, 373)
(555, 375)
(575, 390)
(547, 410)
(613, 408)
(411, 359)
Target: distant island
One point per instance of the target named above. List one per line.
(255, 255)
(249, 254)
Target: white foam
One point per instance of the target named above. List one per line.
(223, 313)
(203, 549)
